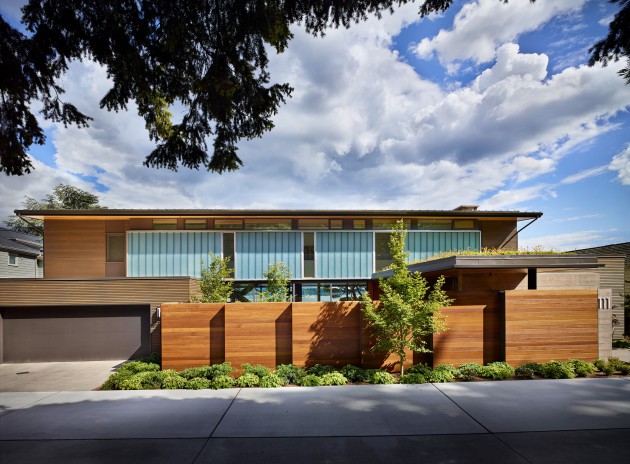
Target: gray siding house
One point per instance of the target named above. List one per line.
(20, 255)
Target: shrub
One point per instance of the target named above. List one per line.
(207, 372)
(354, 374)
(115, 380)
(197, 383)
(469, 371)
(441, 374)
(310, 380)
(147, 380)
(248, 380)
(582, 368)
(524, 372)
(558, 370)
(608, 369)
(497, 371)
(319, 370)
(290, 373)
(334, 378)
(378, 377)
(625, 369)
(419, 369)
(413, 379)
(615, 363)
(625, 343)
(599, 364)
(153, 358)
(536, 368)
(222, 381)
(271, 380)
(171, 380)
(256, 369)
(135, 367)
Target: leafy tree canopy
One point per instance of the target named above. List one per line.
(62, 197)
(213, 285)
(210, 56)
(277, 288)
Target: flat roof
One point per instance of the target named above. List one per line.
(129, 213)
(501, 262)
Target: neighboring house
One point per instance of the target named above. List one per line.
(20, 255)
(108, 271)
(614, 274)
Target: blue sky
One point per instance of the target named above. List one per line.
(489, 104)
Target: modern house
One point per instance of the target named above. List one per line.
(108, 271)
(20, 255)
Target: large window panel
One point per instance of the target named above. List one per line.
(343, 255)
(255, 251)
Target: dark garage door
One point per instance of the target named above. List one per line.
(73, 333)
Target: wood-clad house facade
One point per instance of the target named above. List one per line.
(107, 270)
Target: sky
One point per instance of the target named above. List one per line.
(486, 104)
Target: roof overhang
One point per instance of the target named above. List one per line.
(501, 262)
(267, 213)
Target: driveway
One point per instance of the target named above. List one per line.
(55, 376)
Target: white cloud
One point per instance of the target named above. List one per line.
(621, 164)
(528, 167)
(482, 26)
(587, 173)
(568, 241)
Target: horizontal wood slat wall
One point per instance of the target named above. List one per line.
(463, 341)
(74, 248)
(258, 334)
(541, 325)
(326, 333)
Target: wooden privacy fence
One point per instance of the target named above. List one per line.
(532, 325)
(304, 334)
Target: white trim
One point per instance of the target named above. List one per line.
(17, 260)
(302, 253)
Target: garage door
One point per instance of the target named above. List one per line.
(85, 333)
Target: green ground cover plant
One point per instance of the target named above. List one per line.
(141, 375)
(624, 343)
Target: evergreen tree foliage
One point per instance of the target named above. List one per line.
(409, 309)
(208, 56)
(62, 197)
(214, 286)
(277, 289)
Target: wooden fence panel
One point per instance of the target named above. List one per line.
(258, 333)
(541, 325)
(326, 333)
(463, 341)
(187, 337)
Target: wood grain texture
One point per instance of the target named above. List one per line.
(326, 333)
(463, 342)
(544, 325)
(74, 248)
(258, 333)
(187, 337)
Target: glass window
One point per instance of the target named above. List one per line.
(355, 292)
(358, 224)
(115, 248)
(338, 292)
(434, 225)
(464, 224)
(165, 224)
(309, 254)
(228, 223)
(385, 224)
(246, 292)
(309, 293)
(195, 224)
(313, 224)
(324, 292)
(336, 224)
(268, 224)
(228, 250)
(13, 259)
(381, 248)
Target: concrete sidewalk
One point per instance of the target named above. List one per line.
(551, 421)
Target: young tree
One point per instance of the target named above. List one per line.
(278, 277)
(409, 309)
(207, 56)
(62, 197)
(214, 286)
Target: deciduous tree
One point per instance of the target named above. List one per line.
(409, 309)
